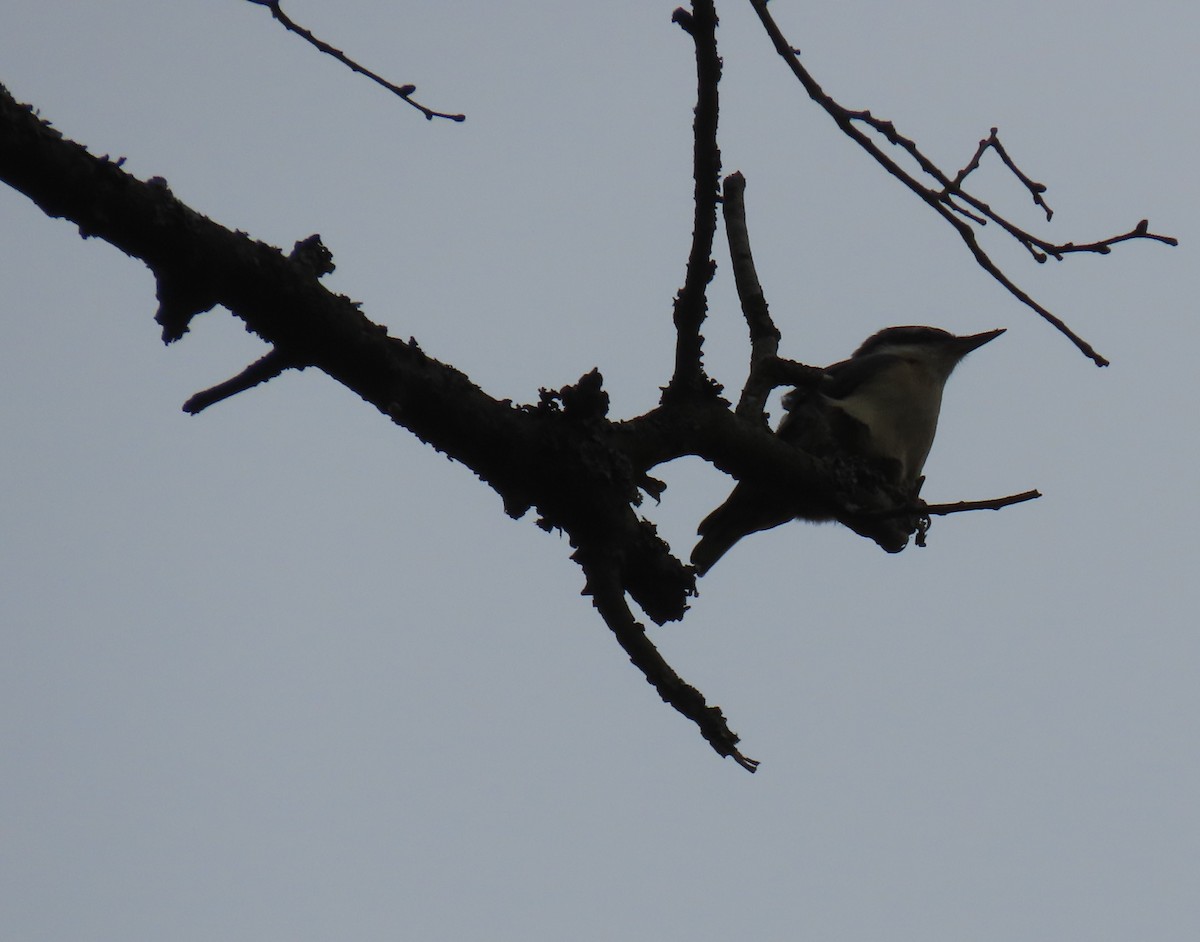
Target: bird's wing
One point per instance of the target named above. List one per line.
(844, 378)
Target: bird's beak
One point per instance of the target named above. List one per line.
(975, 341)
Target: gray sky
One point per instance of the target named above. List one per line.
(279, 672)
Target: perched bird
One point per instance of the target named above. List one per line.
(880, 406)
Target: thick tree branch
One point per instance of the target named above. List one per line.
(562, 455)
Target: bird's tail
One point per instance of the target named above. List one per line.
(717, 536)
(747, 510)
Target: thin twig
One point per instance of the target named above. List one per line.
(923, 511)
(926, 511)
(993, 141)
(403, 91)
(962, 506)
(940, 199)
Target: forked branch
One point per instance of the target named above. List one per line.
(959, 208)
(563, 456)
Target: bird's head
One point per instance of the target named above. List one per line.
(939, 349)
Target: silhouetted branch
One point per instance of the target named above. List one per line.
(604, 586)
(995, 503)
(942, 197)
(403, 91)
(993, 141)
(925, 511)
(764, 335)
(260, 371)
(562, 456)
(691, 303)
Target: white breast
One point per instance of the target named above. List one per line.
(902, 414)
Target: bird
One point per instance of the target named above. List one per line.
(880, 407)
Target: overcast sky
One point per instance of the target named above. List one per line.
(280, 672)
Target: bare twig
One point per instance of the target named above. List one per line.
(942, 197)
(764, 335)
(403, 91)
(950, 190)
(261, 370)
(957, 507)
(993, 141)
(921, 511)
(962, 506)
(996, 503)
